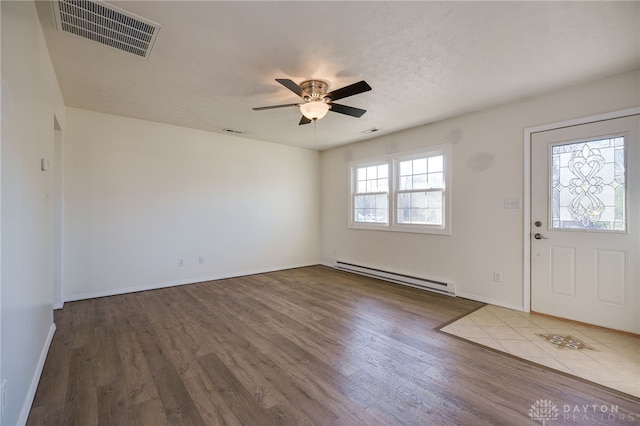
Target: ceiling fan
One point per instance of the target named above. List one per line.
(317, 102)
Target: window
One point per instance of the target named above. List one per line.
(588, 185)
(420, 191)
(371, 195)
(406, 192)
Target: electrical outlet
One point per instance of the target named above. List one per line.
(497, 277)
(180, 261)
(4, 395)
(201, 260)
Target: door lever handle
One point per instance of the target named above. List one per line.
(539, 236)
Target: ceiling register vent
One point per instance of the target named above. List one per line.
(106, 24)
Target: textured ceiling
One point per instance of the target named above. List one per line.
(213, 61)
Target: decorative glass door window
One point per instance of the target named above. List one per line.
(588, 185)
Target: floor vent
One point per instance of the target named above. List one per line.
(106, 24)
(394, 277)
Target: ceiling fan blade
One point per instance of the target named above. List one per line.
(274, 106)
(350, 90)
(304, 120)
(347, 110)
(291, 86)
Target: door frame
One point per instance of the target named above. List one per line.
(58, 214)
(528, 132)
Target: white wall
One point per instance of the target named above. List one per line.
(139, 195)
(487, 168)
(30, 99)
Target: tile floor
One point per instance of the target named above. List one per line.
(595, 354)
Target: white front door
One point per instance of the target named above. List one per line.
(585, 226)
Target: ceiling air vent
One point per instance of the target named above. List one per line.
(106, 24)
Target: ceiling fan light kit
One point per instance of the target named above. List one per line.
(317, 102)
(314, 110)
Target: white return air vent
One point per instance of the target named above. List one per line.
(394, 277)
(106, 24)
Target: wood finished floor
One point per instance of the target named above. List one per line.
(308, 346)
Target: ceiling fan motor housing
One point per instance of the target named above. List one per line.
(314, 90)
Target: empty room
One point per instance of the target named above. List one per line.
(319, 213)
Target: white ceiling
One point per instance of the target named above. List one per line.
(213, 61)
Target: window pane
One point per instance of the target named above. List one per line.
(420, 166)
(369, 205)
(418, 216)
(404, 201)
(383, 185)
(436, 164)
(406, 182)
(434, 199)
(416, 174)
(588, 185)
(420, 208)
(420, 181)
(372, 172)
(413, 174)
(434, 217)
(419, 200)
(372, 179)
(371, 208)
(403, 216)
(435, 180)
(405, 168)
(382, 209)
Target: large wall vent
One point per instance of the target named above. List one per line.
(106, 24)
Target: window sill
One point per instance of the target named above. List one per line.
(411, 229)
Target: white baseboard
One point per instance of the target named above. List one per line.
(193, 280)
(154, 286)
(26, 407)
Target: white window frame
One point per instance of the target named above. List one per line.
(353, 185)
(393, 163)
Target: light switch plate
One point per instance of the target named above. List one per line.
(512, 203)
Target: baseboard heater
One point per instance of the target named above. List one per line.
(394, 277)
